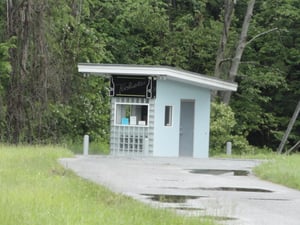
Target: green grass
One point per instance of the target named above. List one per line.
(262, 153)
(35, 189)
(94, 148)
(282, 170)
(260, 156)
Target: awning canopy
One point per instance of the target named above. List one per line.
(161, 72)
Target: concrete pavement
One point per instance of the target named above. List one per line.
(223, 188)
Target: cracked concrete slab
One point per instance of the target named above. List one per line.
(215, 190)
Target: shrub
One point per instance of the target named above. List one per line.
(222, 130)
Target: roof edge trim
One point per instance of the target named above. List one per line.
(171, 73)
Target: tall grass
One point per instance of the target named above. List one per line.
(35, 189)
(95, 147)
(282, 169)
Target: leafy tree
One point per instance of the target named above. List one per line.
(262, 74)
(5, 69)
(44, 99)
(82, 105)
(285, 55)
(44, 86)
(271, 78)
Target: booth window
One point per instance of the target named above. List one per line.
(168, 115)
(131, 114)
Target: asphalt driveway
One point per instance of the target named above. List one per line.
(222, 188)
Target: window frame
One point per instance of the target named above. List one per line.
(119, 123)
(168, 116)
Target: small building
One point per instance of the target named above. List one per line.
(158, 110)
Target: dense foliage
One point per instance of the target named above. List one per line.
(222, 130)
(44, 99)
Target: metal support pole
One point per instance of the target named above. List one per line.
(86, 145)
(228, 148)
(146, 148)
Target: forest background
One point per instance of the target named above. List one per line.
(43, 99)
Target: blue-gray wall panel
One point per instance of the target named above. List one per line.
(166, 138)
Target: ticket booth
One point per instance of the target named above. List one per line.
(158, 110)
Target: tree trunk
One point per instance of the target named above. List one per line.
(228, 14)
(27, 96)
(18, 24)
(239, 50)
(289, 129)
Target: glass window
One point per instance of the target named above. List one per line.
(131, 114)
(168, 115)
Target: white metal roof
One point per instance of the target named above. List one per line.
(169, 73)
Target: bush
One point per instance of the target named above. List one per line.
(222, 130)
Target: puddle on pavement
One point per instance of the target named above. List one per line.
(220, 172)
(188, 208)
(269, 199)
(238, 189)
(221, 218)
(171, 198)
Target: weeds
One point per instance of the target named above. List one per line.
(35, 189)
(281, 169)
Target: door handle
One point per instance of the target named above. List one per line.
(180, 131)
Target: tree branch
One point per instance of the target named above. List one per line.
(225, 60)
(261, 34)
(289, 128)
(297, 145)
